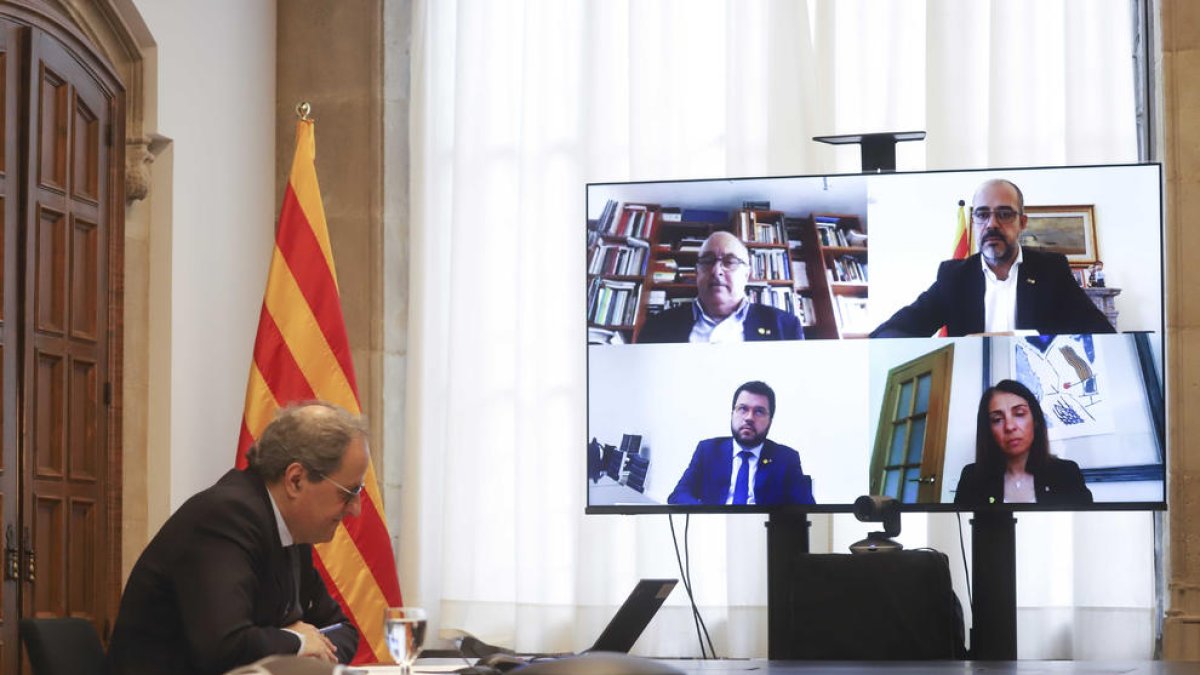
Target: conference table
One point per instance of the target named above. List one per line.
(766, 667)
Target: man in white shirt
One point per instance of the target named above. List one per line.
(721, 312)
(1002, 288)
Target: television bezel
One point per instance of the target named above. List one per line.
(800, 510)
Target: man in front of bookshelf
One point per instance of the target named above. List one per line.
(1004, 287)
(721, 311)
(745, 468)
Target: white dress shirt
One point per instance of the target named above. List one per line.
(737, 465)
(729, 329)
(1000, 298)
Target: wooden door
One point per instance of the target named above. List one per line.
(66, 310)
(61, 209)
(910, 440)
(11, 180)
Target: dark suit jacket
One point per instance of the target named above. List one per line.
(763, 322)
(1048, 301)
(1059, 482)
(214, 586)
(778, 478)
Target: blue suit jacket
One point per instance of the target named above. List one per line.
(1048, 301)
(779, 478)
(763, 322)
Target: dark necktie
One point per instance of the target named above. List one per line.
(741, 489)
(294, 611)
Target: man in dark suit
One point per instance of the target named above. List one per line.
(721, 312)
(1002, 288)
(229, 578)
(745, 468)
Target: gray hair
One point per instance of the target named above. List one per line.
(314, 433)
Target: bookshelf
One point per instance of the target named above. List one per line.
(619, 255)
(842, 244)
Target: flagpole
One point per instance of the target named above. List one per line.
(302, 110)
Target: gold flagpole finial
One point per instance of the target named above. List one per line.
(302, 110)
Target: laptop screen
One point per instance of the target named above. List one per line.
(634, 615)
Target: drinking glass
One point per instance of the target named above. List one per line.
(405, 627)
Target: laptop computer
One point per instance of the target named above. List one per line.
(635, 614)
(622, 630)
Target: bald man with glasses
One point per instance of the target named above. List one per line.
(1003, 287)
(721, 311)
(229, 579)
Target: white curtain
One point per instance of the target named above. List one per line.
(517, 105)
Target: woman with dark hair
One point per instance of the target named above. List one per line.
(1013, 463)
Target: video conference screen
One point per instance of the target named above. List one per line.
(958, 340)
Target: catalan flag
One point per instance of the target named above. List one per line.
(962, 234)
(301, 353)
(962, 243)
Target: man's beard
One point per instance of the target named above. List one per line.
(988, 247)
(750, 442)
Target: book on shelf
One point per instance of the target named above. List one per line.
(671, 214)
(690, 244)
(704, 216)
(758, 228)
(613, 303)
(827, 235)
(784, 299)
(800, 273)
(605, 336)
(849, 269)
(620, 259)
(628, 220)
(657, 304)
(769, 264)
(605, 222)
(809, 316)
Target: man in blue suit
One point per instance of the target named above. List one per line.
(745, 468)
(721, 312)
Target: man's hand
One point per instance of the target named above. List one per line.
(316, 644)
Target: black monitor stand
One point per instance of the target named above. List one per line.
(993, 559)
(994, 610)
(787, 538)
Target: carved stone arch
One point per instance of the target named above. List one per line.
(117, 30)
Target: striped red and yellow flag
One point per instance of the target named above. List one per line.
(962, 244)
(301, 353)
(962, 233)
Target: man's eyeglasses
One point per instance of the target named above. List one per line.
(1003, 215)
(348, 494)
(728, 263)
(745, 410)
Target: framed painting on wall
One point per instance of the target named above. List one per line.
(1069, 230)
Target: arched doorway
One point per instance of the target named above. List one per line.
(62, 177)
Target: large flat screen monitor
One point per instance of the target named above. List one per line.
(957, 340)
